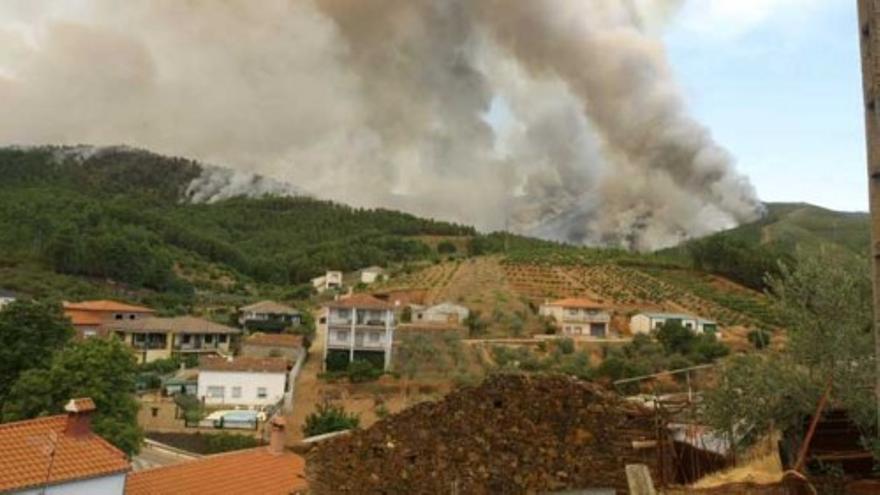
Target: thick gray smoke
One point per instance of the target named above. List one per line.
(552, 117)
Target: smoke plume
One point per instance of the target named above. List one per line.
(553, 118)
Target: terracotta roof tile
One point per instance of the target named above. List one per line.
(246, 472)
(253, 364)
(361, 301)
(107, 305)
(275, 340)
(25, 447)
(82, 318)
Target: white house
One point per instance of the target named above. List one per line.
(83, 461)
(242, 381)
(446, 312)
(647, 322)
(372, 274)
(6, 297)
(359, 327)
(578, 317)
(331, 280)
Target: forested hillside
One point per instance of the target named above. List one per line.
(70, 222)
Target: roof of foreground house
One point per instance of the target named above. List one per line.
(270, 307)
(361, 301)
(26, 446)
(180, 324)
(107, 305)
(243, 472)
(244, 364)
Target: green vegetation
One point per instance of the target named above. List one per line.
(30, 334)
(122, 215)
(329, 418)
(826, 300)
(103, 370)
(226, 442)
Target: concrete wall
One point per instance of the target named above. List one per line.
(249, 383)
(106, 485)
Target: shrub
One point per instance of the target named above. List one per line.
(446, 247)
(225, 442)
(566, 346)
(759, 338)
(329, 418)
(360, 371)
(337, 360)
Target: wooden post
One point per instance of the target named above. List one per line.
(869, 35)
(638, 477)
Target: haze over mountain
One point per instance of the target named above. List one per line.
(579, 135)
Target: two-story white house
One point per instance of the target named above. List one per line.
(648, 322)
(359, 327)
(577, 317)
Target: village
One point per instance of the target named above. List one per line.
(368, 345)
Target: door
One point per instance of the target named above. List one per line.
(597, 330)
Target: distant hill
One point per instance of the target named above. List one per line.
(786, 226)
(80, 220)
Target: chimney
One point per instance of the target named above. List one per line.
(277, 436)
(79, 417)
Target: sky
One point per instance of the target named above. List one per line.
(779, 84)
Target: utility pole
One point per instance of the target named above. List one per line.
(869, 36)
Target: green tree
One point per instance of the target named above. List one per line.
(825, 301)
(104, 370)
(329, 418)
(30, 333)
(675, 338)
(475, 324)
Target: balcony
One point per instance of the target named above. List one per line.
(149, 346)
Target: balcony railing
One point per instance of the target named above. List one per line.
(149, 346)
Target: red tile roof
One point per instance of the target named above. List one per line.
(361, 301)
(25, 448)
(578, 303)
(246, 472)
(107, 305)
(253, 364)
(274, 340)
(81, 318)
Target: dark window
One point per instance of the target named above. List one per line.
(155, 411)
(118, 316)
(221, 339)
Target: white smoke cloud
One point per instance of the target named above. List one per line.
(384, 103)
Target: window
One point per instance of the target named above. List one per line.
(236, 392)
(140, 338)
(262, 393)
(89, 333)
(689, 326)
(117, 316)
(209, 339)
(132, 317)
(221, 338)
(573, 312)
(154, 411)
(657, 325)
(216, 392)
(342, 335)
(375, 336)
(185, 338)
